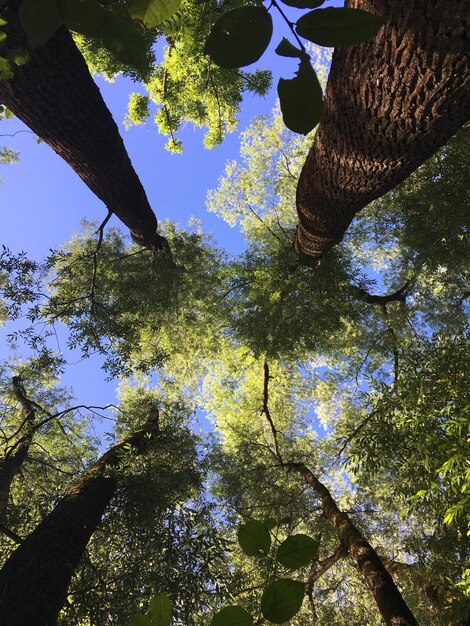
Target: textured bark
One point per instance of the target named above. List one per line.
(390, 104)
(34, 580)
(56, 97)
(389, 601)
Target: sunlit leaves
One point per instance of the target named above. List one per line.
(232, 616)
(282, 599)
(152, 12)
(254, 538)
(239, 37)
(301, 99)
(297, 551)
(140, 620)
(339, 26)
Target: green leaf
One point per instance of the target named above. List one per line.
(282, 599)
(7, 113)
(287, 49)
(140, 620)
(6, 72)
(3, 38)
(239, 37)
(161, 609)
(3, 22)
(152, 12)
(297, 551)
(254, 538)
(110, 24)
(39, 20)
(304, 4)
(232, 616)
(18, 56)
(301, 99)
(339, 27)
(270, 523)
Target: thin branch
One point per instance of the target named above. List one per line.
(356, 431)
(369, 298)
(10, 534)
(265, 410)
(100, 232)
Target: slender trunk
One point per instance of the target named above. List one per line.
(390, 104)
(389, 601)
(34, 580)
(12, 460)
(56, 97)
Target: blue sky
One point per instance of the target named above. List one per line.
(42, 201)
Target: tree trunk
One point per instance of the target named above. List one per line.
(390, 104)
(389, 601)
(56, 97)
(35, 579)
(12, 460)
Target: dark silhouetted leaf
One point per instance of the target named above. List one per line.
(301, 99)
(113, 26)
(161, 609)
(254, 538)
(282, 599)
(152, 12)
(287, 49)
(240, 37)
(339, 27)
(297, 551)
(232, 616)
(39, 20)
(304, 4)
(270, 523)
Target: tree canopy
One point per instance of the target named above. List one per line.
(290, 437)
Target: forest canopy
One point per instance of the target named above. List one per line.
(290, 438)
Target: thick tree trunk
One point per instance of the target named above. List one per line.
(389, 601)
(390, 104)
(34, 580)
(56, 97)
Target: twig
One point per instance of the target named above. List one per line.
(100, 232)
(356, 431)
(265, 410)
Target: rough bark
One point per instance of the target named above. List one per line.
(389, 601)
(56, 97)
(34, 580)
(390, 104)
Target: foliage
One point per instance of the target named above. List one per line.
(240, 36)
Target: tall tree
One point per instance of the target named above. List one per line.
(390, 104)
(55, 95)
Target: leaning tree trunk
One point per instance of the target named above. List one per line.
(390, 104)
(390, 602)
(35, 579)
(11, 462)
(56, 97)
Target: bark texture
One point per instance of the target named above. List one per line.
(35, 579)
(389, 601)
(390, 104)
(56, 97)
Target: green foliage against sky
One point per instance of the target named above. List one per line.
(280, 362)
(250, 366)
